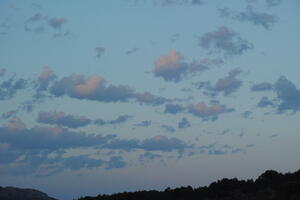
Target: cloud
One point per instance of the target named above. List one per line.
(145, 123)
(204, 64)
(47, 75)
(9, 114)
(150, 99)
(35, 18)
(115, 162)
(262, 87)
(288, 95)
(171, 66)
(99, 51)
(61, 119)
(28, 105)
(91, 88)
(229, 84)
(7, 154)
(219, 149)
(184, 123)
(9, 88)
(2, 72)
(43, 151)
(247, 114)
(149, 156)
(56, 23)
(35, 23)
(163, 143)
(258, 18)
(168, 128)
(120, 119)
(264, 102)
(74, 121)
(224, 12)
(81, 162)
(173, 108)
(156, 143)
(207, 112)
(226, 41)
(15, 124)
(38, 23)
(175, 37)
(67, 33)
(17, 135)
(272, 3)
(132, 51)
(180, 2)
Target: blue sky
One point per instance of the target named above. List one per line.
(111, 96)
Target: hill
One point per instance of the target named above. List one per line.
(13, 193)
(271, 185)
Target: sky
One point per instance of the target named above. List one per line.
(106, 96)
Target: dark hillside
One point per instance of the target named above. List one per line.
(271, 185)
(13, 193)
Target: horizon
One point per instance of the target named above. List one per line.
(101, 97)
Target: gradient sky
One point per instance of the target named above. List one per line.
(106, 96)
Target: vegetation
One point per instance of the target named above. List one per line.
(271, 185)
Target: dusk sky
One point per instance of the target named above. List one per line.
(105, 96)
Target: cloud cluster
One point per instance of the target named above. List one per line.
(42, 150)
(19, 136)
(226, 41)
